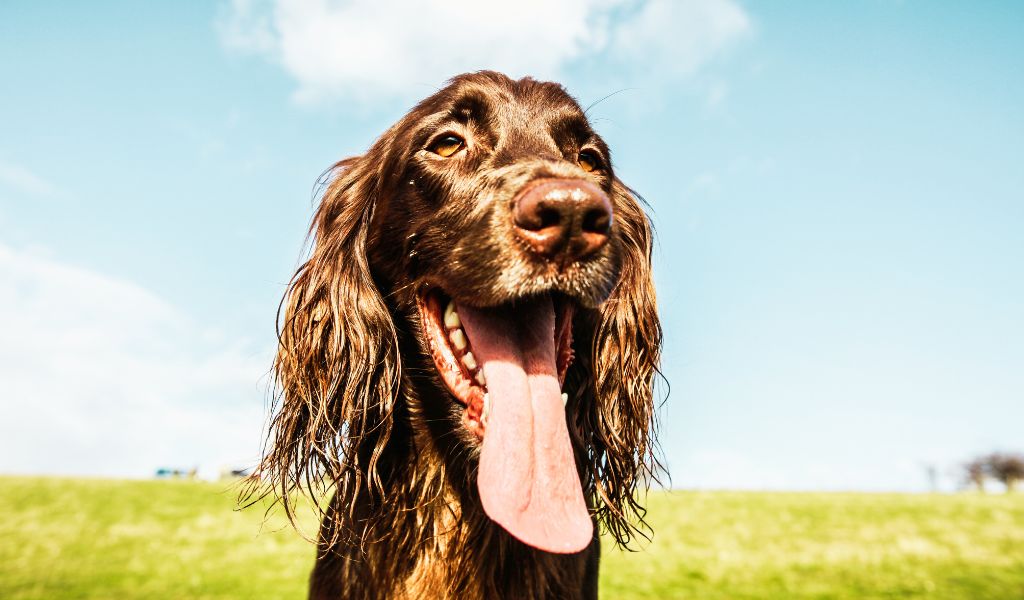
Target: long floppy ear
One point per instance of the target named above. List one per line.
(337, 367)
(617, 423)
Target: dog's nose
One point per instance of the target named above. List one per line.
(563, 219)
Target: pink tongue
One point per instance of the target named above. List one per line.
(527, 479)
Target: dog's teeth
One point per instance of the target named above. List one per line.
(487, 409)
(451, 318)
(469, 360)
(480, 377)
(458, 339)
(565, 398)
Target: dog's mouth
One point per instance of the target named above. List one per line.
(452, 348)
(506, 365)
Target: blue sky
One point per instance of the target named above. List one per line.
(837, 189)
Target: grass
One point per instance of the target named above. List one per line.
(63, 538)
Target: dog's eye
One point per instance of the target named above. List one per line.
(588, 161)
(448, 145)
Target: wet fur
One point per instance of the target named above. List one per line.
(363, 424)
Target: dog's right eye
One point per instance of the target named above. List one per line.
(447, 145)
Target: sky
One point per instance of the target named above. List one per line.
(837, 189)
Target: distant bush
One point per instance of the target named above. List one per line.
(975, 473)
(1005, 467)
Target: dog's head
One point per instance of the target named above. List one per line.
(479, 272)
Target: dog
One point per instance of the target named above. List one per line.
(466, 362)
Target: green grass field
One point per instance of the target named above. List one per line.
(63, 538)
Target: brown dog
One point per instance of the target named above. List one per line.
(466, 360)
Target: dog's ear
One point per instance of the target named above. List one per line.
(337, 368)
(617, 422)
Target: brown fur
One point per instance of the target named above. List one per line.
(361, 416)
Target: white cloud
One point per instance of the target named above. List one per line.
(387, 48)
(24, 180)
(673, 37)
(103, 377)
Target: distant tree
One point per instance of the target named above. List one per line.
(1006, 468)
(975, 472)
(933, 478)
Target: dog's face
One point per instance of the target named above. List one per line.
(499, 224)
(481, 263)
(502, 192)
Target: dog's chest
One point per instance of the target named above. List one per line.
(440, 572)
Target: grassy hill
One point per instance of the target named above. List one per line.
(63, 538)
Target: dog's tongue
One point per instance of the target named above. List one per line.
(527, 478)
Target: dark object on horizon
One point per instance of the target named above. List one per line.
(932, 473)
(975, 472)
(1006, 468)
(467, 359)
(168, 473)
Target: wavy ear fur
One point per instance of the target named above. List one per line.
(617, 422)
(337, 368)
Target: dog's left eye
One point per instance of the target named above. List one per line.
(588, 161)
(448, 145)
